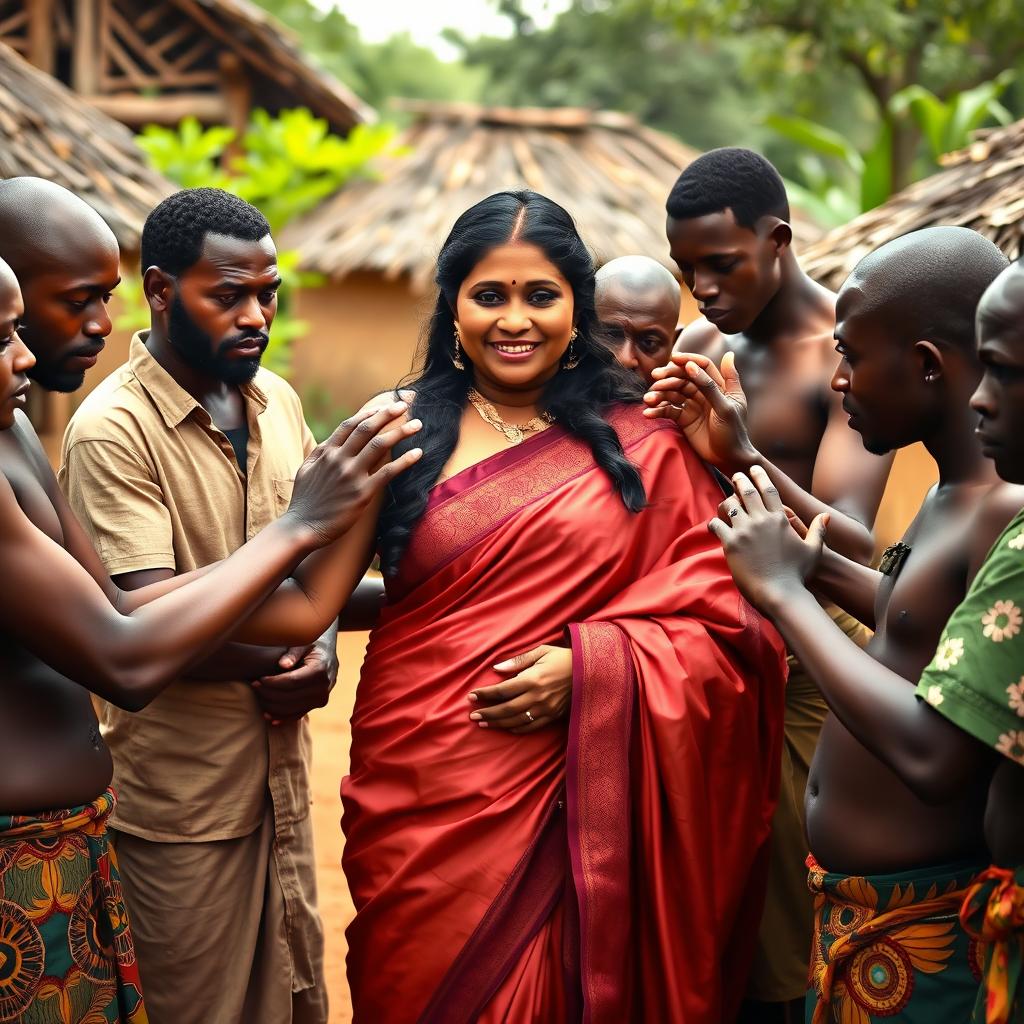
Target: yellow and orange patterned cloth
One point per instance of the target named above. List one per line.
(994, 913)
(66, 952)
(890, 946)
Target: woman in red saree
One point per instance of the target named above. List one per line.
(594, 851)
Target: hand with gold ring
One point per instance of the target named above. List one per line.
(537, 692)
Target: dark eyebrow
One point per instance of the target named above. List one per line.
(92, 286)
(235, 283)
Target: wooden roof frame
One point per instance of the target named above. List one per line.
(157, 60)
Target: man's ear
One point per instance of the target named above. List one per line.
(781, 235)
(158, 288)
(930, 359)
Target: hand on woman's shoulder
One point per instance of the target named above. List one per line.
(383, 398)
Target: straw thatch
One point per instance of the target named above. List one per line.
(159, 60)
(609, 171)
(980, 187)
(49, 132)
(275, 52)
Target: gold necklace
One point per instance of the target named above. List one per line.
(514, 432)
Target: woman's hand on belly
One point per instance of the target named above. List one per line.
(536, 694)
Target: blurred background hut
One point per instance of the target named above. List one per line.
(49, 132)
(157, 61)
(979, 187)
(376, 240)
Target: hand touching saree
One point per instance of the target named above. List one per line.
(607, 869)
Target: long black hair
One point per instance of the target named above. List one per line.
(576, 398)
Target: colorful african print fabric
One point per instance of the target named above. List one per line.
(66, 952)
(892, 945)
(976, 678)
(993, 913)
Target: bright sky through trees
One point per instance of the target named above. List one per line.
(424, 19)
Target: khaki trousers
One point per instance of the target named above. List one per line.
(227, 932)
(784, 941)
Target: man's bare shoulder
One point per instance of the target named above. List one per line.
(704, 338)
(21, 449)
(992, 514)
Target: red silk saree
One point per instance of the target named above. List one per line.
(609, 869)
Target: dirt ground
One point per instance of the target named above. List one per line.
(330, 762)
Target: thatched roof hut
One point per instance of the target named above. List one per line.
(49, 132)
(611, 172)
(980, 187)
(158, 60)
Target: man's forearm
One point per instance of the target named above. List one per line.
(848, 584)
(236, 661)
(363, 608)
(875, 704)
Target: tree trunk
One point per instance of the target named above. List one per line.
(905, 137)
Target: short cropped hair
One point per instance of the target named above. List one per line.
(729, 179)
(175, 230)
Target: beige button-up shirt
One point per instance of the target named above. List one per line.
(157, 485)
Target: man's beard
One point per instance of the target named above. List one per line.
(50, 376)
(196, 348)
(53, 378)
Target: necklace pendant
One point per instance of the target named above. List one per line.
(515, 436)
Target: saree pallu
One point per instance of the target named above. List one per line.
(892, 946)
(66, 952)
(993, 913)
(608, 868)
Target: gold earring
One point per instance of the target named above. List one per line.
(457, 358)
(574, 360)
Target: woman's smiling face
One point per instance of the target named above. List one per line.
(514, 312)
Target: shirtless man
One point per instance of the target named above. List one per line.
(637, 303)
(69, 631)
(729, 235)
(895, 854)
(67, 260)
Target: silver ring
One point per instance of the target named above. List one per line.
(529, 716)
(733, 513)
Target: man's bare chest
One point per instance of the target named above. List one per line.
(786, 414)
(918, 597)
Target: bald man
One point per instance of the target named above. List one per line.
(66, 260)
(893, 847)
(638, 307)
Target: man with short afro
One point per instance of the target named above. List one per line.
(172, 463)
(765, 320)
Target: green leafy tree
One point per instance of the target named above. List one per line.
(864, 179)
(374, 71)
(713, 90)
(945, 46)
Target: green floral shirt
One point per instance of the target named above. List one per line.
(976, 678)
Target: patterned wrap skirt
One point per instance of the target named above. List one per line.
(890, 946)
(66, 951)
